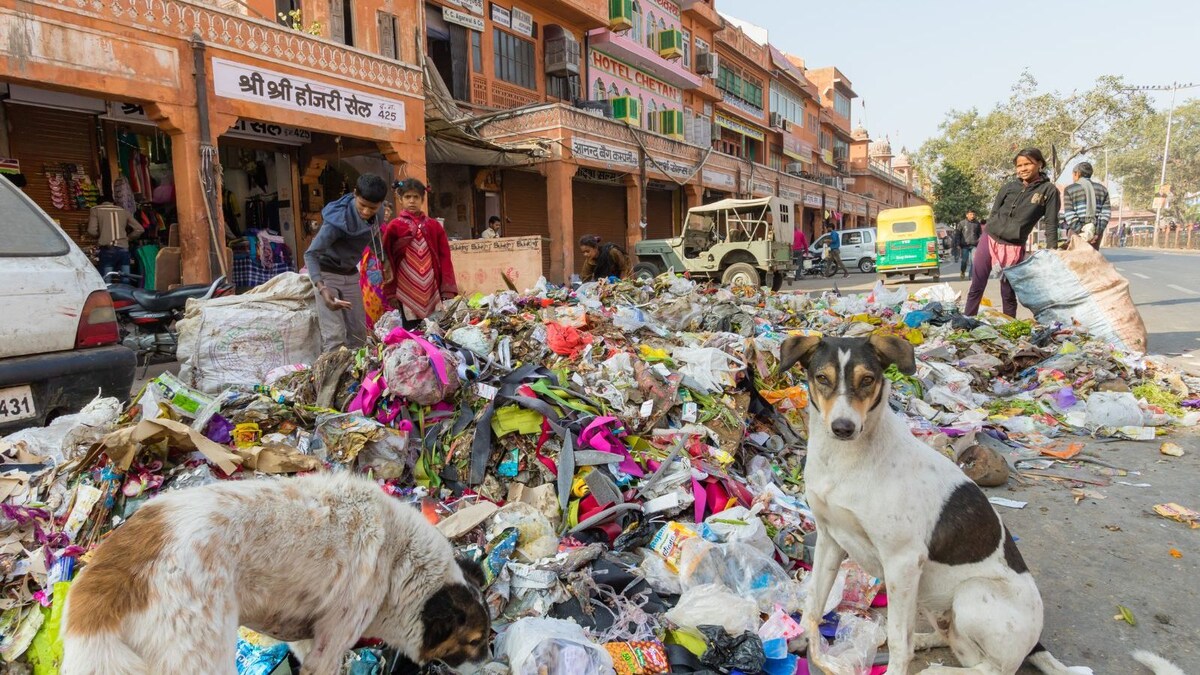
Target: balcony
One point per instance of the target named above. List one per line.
(586, 14)
(703, 13)
(622, 47)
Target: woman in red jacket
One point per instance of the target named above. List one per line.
(419, 254)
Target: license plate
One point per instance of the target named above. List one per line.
(16, 403)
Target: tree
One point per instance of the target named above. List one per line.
(1137, 166)
(1066, 127)
(955, 193)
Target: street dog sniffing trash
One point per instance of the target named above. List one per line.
(327, 557)
(908, 515)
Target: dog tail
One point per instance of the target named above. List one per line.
(103, 654)
(1044, 661)
(1157, 664)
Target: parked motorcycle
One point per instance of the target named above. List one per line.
(147, 318)
(812, 266)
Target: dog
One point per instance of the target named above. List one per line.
(329, 558)
(908, 515)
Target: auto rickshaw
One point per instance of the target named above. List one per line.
(907, 243)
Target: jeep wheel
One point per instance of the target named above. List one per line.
(777, 280)
(645, 271)
(866, 265)
(741, 274)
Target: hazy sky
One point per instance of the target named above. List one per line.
(911, 61)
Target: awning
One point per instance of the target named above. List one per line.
(727, 204)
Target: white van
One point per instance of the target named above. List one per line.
(858, 248)
(58, 340)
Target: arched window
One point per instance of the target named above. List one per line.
(652, 116)
(599, 92)
(641, 109)
(613, 91)
(650, 30)
(637, 21)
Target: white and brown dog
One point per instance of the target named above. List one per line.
(908, 515)
(327, 557)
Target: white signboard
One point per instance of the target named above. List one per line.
(522, 22)
(717, 179)
(462, 19)
(501, 16)
(790, 195)
(812, 200)
(259, 85)
(762, 188)
(473, 5)
(264, 131)
(603, 153)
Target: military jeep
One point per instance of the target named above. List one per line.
(739, 242)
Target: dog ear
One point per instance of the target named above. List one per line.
(891, 349)
(472, 572)
(798, 349)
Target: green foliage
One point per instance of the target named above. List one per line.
(1137, 166)
(954, 193)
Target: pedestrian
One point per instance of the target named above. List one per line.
(419, 251)
(955, 243)
(1085, 205)
(492, 231)
(114, 226)
(1122, 234)
(603, 260)
(349, 226)
(835, 252)
(799, 251)
(1020, 204)
(967, 232)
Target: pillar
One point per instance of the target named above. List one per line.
(693, 196)
(634, 232)
(560, 211)
(182, 124)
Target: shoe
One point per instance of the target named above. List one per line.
(962, 276)
(845, 275)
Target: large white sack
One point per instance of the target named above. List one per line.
(1080, 285)
(237, 340)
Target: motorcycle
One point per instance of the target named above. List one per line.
(147, 318)
(813, 266)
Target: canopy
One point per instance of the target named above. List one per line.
(730, 204)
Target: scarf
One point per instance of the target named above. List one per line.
(416, 280)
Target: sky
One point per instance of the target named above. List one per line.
(912, 61)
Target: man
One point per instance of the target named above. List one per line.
(349, 225)
(967, 233)
(835, 252)
(1085, 206)
(114, 227)
(799, 250)
(493, 228)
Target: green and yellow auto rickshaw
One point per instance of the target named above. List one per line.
(907, 243)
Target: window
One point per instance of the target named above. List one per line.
(651, 30)
(777, 157)
(841, 104)
(27, 231)
(701, 45)
(599, 92)
(737, 85)
(565, 88)
(341, 21)
(841, 149)
(637, 21)
(788, 105)
(852, 238)
(687, 50)
(283, 8)
(812, 121)
(652, 116)
(477, 52)
(514, 59)
(386, 23)
(826, 141)
(613, 91)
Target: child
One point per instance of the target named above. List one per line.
(419, 253)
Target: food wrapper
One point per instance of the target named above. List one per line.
(668, 542)
(638, 658)
(1179, 513)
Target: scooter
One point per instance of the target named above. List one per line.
(147, 318)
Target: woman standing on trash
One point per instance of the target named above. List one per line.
(418, 252)
(1021, 203)
(602, 260)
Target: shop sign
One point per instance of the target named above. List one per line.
(719, 180)
(739, 128)
(667, 6)
(597, 176)
(811, 200)
(522, 22)
(9, 165)
(599, 152)
(270, 132)
(488, 180)
(827, 155)
(501, 15)
(790, 195)
(259, 85)
(797, 149)
(127, 112)
(762, 188)
(861, 209)
(627, 73)
(463, 19)
(670, 166)
(475, 6)
(752, 111)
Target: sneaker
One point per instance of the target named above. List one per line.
(962, 276)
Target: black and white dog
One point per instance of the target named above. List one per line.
(907, 514)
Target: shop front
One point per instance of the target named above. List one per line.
(599, 204)
(813, 218)
(740, 139)
(718, 185)
(664, 209)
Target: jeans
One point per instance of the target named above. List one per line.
(342, 327)
(112, 259)
(965, 265)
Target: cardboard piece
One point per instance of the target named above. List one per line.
(481, 265)
(123, 445)
(465, 520)
(277, 459)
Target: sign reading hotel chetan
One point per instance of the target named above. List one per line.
(628, 73)
(259, 85)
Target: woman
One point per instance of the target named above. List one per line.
(372, 272)
(602, 261)
(418, 252)
(1019, 206)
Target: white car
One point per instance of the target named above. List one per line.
(59, 337)
(858, 248)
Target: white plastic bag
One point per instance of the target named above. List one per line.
(237, 340)
(1113, 409)
(63, 438)
(887, 298)
(853, 649)
(943, 293)
(714, 605)
(739, 525)
(710, 369)
(742, 570)
(551, 647)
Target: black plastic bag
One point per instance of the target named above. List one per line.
(726, 653)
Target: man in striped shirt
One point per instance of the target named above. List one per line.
(1085, 206)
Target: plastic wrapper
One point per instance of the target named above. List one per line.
(707, 369)
(552, 647)
(858, 588)
(345, 436)
(853, 649)
(389, 457)
(1113, 409)
(537, 538)
(739, 525)
(410, 372)
(660, 577)
(363, 662)
(728, 652)
(668, 542)
(638, 658)
(714, 604)
(743, 570)
(256, 659)
(629, 319)
(68, 435)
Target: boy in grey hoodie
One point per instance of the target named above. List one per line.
(349, 225)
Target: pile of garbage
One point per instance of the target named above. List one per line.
(623, 459)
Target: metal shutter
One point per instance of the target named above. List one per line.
(46, 136)
(526, 212)
(599, 210)
(661, 221)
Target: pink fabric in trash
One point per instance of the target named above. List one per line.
(368, 394)
(435, 355)
(598, 436)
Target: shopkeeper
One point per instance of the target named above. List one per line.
(114, 226)
(349, 226)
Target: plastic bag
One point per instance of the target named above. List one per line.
(410, 370)
(537, 539)
(680, 315)
(727, 652)
(660, 577)
(474, 339)
(710, 370)
(888, 298)
(943, 293)
(714, 604)
(62, 438)
(739, 525)
(551, 647)
(1113, 409)
(629, 319)
(390, 456)
(853, 650)
(741, 569)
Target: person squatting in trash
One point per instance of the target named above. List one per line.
(602, 260)
(1019, 205)
(349, 224)
(418, 252)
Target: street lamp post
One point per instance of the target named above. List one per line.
(1174, 88)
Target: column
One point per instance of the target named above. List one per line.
(195, 236)
(693, 196)
(560, 208)
(633, 212)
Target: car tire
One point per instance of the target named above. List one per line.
(645, 270)
(866, 265)
(777, 280)
(741, 274)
